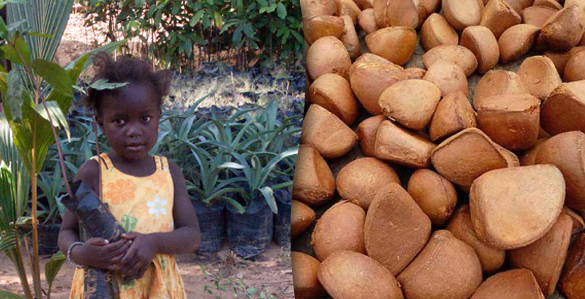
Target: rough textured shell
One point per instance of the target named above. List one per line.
(436, 31)
(539, 75)
(305, 282)
(537, 15)
(546, 256)
(341, 227)
(434, 194)
(334, 93)
(366, 132)
(468, 154)
(460, 226)
(517, 283)
(567, 152)
(301, 217)
(393, 43)
(445, 268)
(396, 144)
(498, 16)
(483, 44)
(564, 109)
(327, 133)
(321, 26)
(359, 180)
(448, 77)
(575, 67)
(461, 13)
(413, 110)
(327, 55)
(348, 274)
(513, 207)
(369, 75)
(367, 20)
(313, 182)
(396, 229)
(453, 114)
(454, 54)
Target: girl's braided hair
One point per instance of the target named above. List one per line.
(125, 69)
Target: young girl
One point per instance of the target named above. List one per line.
(147, 194)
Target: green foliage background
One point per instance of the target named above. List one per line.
(268, 29)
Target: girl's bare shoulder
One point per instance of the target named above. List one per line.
(88, 172)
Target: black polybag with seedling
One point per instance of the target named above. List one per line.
(95, 221)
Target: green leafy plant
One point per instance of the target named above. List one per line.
(35, 93)
(237, 287)
(170, 30)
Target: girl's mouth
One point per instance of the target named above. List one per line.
(135, 147)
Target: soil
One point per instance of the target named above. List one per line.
(269, 272)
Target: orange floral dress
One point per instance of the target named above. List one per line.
(144, 205)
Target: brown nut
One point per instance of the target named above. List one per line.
(341, 227)
(527, 198)
(517, 283)
(411, 109)
(398, 145)
(305, 282)
(369, 75)
(566, 151)
(537, 15)
(366, 132)
(448, 77)
(571, 282)
(468, 154)
(351, 177)
(328, 55)
(511, 120)
(498, 16)
(564, 109)
(564, 29)
(497, 82)
(462, 13)
(321, 26)
(516, 41)
(395, 243)
(334, 93)
(453, 114)
(483, 44)
(446, 266)
(454, 54)
(367, 20)
(327, 133)
(393, 43)
(434, 194)
(460, 226)
(575, 67)
(436, 31)
(313, 183)
(301, 217)
(546, 256)
(539, 75)
(345, 273)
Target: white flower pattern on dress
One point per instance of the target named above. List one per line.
(156, 206)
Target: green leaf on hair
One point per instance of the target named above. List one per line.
(103, 84)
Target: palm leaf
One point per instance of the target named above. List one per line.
(45, 17)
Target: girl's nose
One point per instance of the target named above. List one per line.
(133, 131)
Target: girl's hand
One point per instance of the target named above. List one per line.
(139, 256)
(99, 253)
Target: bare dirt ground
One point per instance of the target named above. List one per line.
(204, 277)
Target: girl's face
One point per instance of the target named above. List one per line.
(130, 121)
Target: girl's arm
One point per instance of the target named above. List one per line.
(186, 237)
(96, 252)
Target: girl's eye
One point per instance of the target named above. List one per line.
(119, 121)
(146, 119)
